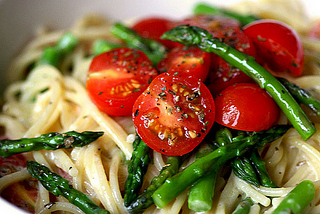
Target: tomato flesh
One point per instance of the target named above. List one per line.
(190, 60)
(174, 114)
(247, 107)
(279, 47)
(116, 78)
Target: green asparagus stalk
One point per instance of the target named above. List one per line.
(243, 168)
(202, 192)
(50, 141)
(192, 35)
(210, 9)
(153, 49)
(244, 206)
(137, 168)
(298, 199)
(145, 200)
(57, 185)
(53, 55)
(100, 46)
(176, 184)
(261, 170)
(302, 96)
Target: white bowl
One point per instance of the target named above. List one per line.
(20, 18)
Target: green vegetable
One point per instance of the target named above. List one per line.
(249, 167)
(145, 200)
(302, 96)
(137, 168)
(213, 161)
(210, 9)
(153, 49)
(261, 170)
(202, 192)
(54, 55)
(244, 206)
(57, 185)
(243, 168)
(100, 46)
(50, 141)
(298, 199)
(192, 35)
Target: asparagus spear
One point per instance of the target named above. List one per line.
(50, 141)
(100, 46)
(210, 9)
(213, 161)
(302, 96)
(243, 168)
(192, 35)
(54, 55)
(137, 168)
(261, 170)
(57, 185)
(244, 206)
(298, 199)
(153, 49)
(202, 192)
(145, 200)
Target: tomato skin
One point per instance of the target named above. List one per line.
(247, 107)
(279, 47)
(116, 78)
(190, 60)
(222, 74)
(215, 24)
(153, 28)
(174, 114)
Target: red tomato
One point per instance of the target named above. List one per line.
(279, 47)
(153, 28)
(190, 60)
(222, 74)
(228, 31)
(215, 24)
(247, 107)
(174, 114)
(116, 78)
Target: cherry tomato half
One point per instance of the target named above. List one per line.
(222, 74)
(116, 78)
(153, 28)
(279, 47)
(247, 107)
(190, 60)
(174, 114)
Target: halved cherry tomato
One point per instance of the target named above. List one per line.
(190, 60)
(116, 78)
(279, 47)
(222, 74)
(174, 114)
(228, 30)
(153, 28)
(247, 107)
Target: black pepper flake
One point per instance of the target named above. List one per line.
(136, 113)
(101, 92)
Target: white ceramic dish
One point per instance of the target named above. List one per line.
(19, 19)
